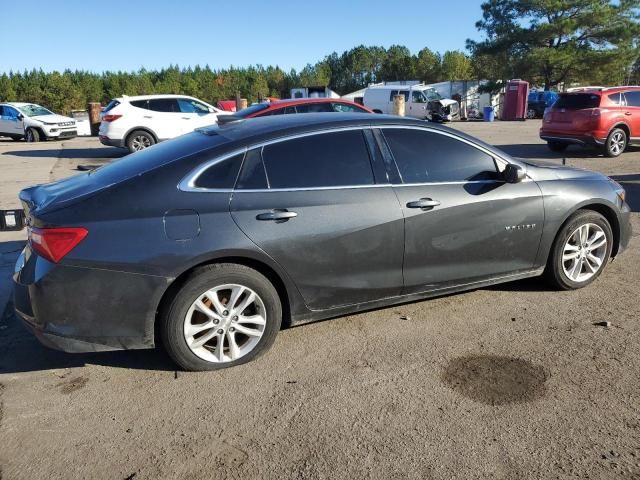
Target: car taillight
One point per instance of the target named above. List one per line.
(110, 118)
(54, 243)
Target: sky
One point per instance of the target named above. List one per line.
(131, 34)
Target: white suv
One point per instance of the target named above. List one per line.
(34, 123)
(139, 122)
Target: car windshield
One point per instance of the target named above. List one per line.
(432, 94)
(577, 101)
(34, 110)
(245, 112)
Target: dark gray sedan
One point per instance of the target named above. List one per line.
(212, 241)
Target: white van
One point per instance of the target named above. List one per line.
(420, 100)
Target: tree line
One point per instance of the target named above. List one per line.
(346, 72)
(550, 43)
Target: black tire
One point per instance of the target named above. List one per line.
(616, 143)
(554, 271)
(139, 140)
(172, 320)
(556, 146)
(32, 135)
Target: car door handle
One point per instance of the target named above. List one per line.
(148, 116)
(424, 203)
(185, 118)
(627, 113)
(282, 215)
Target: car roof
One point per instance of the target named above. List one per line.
(301, 101)
(149, 97)
(17, 104)
(599, 90)
(255, 130)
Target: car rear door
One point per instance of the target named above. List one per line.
(463, 223)
(164, 118)
(312, 203)
(632, 112)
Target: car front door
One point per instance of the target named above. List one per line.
(10, 123)
(312, 203)
(632, 112)
(463, 223)
(417, 105)
(194, 114)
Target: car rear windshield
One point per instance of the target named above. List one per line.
(112, 104)
(245, 112)
(577, 101)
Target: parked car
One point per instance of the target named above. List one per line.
(138, 122)
(32, 122)
(302, 105)
(421, 102)
(538, 101)
(608, 118)
(217, 238)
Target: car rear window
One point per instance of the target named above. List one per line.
(112, 104)
(578, 101)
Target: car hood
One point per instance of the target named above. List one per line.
(53, 118)
(447, 101)
(540, 170)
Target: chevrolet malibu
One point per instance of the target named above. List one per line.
(213, 241)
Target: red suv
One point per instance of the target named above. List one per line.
(606, 117)
(301, 105)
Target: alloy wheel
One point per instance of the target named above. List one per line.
(584, 252)
(225, 323)
(29, 136)
(140, 142)
(617, 143)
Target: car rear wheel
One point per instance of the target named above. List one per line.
(224, 315)
(580, 251)
(556, 146)
(32, 135)
(616, 143)
(531, 113)
(139, 140)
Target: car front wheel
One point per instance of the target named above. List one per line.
(616, 143)
(581, 250)
(32, 135)
(224, 315)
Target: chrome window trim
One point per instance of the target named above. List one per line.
(187, 184)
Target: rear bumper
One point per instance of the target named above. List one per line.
(573, 139)
(83, 309)
(110, 142)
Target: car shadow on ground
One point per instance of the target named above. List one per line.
(73, 153)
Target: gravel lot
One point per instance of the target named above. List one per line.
(510, 382)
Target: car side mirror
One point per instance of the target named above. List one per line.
(20, 117)
(514, 173)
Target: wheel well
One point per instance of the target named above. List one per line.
(137, 129)
(622, 126)
(264, 269)
(611, 217)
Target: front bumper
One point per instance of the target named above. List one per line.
(61, 132)
(77, 309)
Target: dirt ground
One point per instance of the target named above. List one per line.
(514, 381)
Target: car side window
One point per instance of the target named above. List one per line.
(191, 106)
(345, 107)
(136, 103)
(633, 98)
(429, 157)
(9, 113)
(617, 98)
(221, 175)
(253, 175)
(324, 160)
(314, 107)
(164, 105)
(1, 110)
(417, 97)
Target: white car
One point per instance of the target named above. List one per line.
(139, 122)
(34, 123)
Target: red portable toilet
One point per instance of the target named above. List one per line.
(515, 100)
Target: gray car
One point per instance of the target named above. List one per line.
(213, 241)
